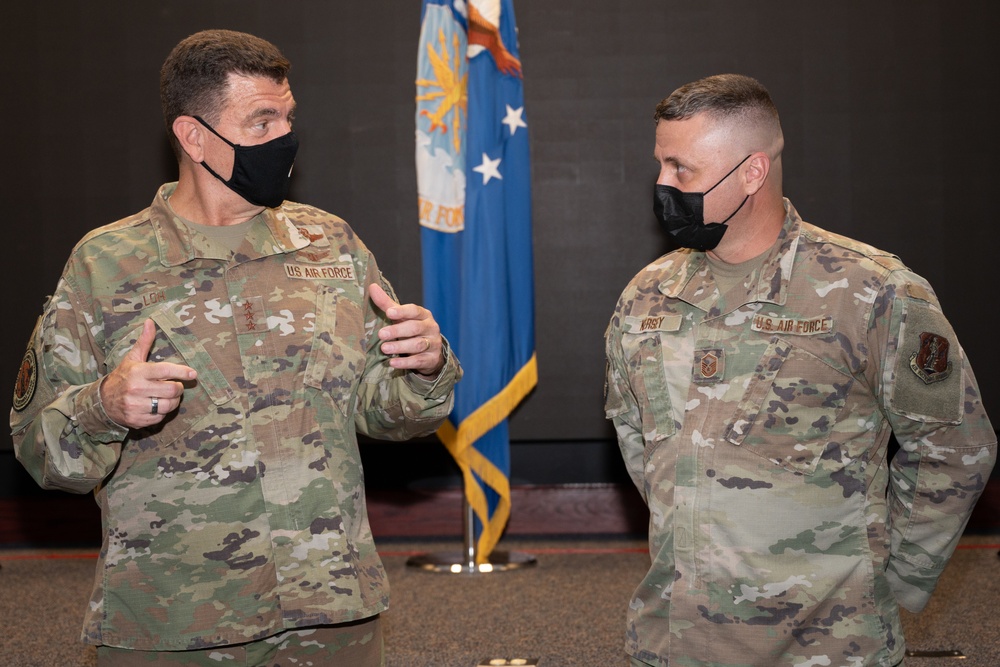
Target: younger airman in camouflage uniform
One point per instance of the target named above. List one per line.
(754, 385)
(209, 390)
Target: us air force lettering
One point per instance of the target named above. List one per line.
(793, 325)
(320, 272)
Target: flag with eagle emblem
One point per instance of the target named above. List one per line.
(474, 189)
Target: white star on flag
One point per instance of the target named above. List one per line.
(513, 119)
(489, 169)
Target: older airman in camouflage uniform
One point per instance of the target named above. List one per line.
(209, 390)
(754, 386)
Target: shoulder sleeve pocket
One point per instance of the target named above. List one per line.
(927, 374)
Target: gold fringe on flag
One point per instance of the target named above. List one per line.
(459, 443)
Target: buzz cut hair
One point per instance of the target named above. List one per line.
(727, 97)
(194, 79)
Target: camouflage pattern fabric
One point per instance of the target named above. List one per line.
(243, 513)
(357, 644)
(755, 424)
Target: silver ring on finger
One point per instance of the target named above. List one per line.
(427, 343)
(154, 405)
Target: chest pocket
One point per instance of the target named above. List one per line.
(176, 344)
(336, 358)
(642, 343)
(790, 409)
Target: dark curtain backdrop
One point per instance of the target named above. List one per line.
(887, 109)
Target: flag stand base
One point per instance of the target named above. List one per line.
(454, 562)
(464, 562)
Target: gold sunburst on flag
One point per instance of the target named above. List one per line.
(451, 89)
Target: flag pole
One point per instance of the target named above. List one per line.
(464, 561)
(474, 197)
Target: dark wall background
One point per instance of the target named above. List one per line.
(888, 109)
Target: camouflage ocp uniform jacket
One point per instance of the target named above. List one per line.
(243, 513)
(755, 424)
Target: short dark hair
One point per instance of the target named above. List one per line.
(729, 96)
(194, 77)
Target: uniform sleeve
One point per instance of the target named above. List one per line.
(947, 444)
(394, 404)
(622, 408)
(61, 433)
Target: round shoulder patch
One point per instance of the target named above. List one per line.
(27, 380)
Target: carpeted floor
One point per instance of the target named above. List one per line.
(567, 611)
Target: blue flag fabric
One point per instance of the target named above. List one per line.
(473, 178)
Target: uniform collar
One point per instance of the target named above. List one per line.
(271, 234)
(691, 279)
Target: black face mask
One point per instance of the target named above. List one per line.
(262, 174)
(683, 215)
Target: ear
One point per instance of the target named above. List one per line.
(758, 167)
(191, 136)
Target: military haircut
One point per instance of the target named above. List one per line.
(726, 97)
(194, 77)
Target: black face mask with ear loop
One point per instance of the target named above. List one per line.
(683, 215)
(262, 174)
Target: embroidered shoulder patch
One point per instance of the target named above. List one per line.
(928, 377)
(930, 362)
(27, 380)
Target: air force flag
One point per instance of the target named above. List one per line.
(474, 187)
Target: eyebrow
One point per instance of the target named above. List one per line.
(268, 112)
(670, 159)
